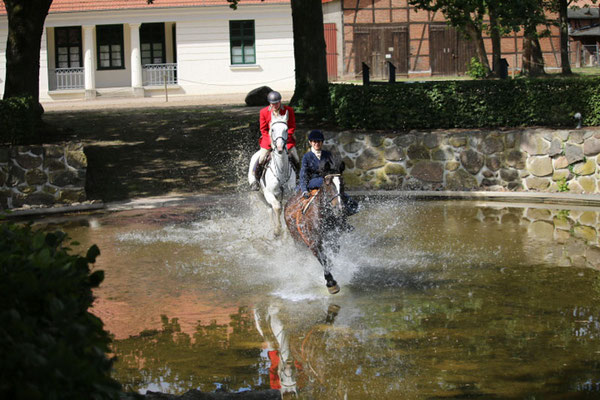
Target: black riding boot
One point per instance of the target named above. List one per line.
(258, 171)
(295, 165)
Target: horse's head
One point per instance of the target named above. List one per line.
(333, 189)
(333, 184)
(279, 132)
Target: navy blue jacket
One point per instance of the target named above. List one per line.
(310, 177)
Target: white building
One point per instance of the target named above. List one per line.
(190, 47)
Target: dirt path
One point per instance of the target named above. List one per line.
(161, 151)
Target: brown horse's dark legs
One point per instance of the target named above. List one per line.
(330, 281)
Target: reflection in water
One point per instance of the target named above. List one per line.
(439, 300)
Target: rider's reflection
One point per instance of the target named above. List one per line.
(284, 369)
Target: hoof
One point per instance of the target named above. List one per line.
(333, 289)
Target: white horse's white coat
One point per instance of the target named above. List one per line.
(279, 180)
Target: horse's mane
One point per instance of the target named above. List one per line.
(331, 165)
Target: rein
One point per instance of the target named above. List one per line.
(339, 193)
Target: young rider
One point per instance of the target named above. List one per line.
(275, 107)
(310, 175)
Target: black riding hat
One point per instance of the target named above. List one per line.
(274, 97)
(316, 135)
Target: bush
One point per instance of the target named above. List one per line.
(51, 347)
(467, 104)
(18, 121)
(475, 69)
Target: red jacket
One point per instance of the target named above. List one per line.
(265, 118)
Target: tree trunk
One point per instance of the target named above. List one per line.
(496, 42)
(312, 90)
(537, 58)
(564, 37)
(533, 60)
(526, 57)
(475, 35)
(25, 27)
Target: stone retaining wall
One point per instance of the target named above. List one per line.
(42, 175)
(532, 159)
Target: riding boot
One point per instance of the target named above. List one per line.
(258, 171)
(345, 226)
(295, 165)
(350, 205)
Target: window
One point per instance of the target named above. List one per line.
(109, 40)
(241, 37)
(68, 47)
(152, 40)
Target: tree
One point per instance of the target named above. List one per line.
(311, 90)
(26, 23)
(25, 27)
(562, 7)
(467, 16)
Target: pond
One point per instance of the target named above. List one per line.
(438, 299)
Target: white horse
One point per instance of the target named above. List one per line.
(279, 179)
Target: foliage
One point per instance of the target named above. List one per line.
(51, 346)
(476, 69)
(18, 120)
(467, 104)
(562, 184)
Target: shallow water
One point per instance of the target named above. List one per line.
(438, 300)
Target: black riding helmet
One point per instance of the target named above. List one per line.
(316, 135)
(274, 97)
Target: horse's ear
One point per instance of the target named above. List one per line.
(324, 167)
(342, 167)
(285, 117)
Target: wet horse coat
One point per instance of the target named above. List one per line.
(317, 222)
(279, 178)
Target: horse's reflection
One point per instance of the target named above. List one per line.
(284, 368)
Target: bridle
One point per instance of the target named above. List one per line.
(339, 192)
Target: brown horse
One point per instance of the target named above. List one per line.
(318, 221)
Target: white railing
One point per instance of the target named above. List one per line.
(159, 74)
(69, 78)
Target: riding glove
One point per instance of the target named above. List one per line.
(305, 194)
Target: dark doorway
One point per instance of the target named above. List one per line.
(375, 45)
(450, 53)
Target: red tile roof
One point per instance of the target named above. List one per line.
(63, 6)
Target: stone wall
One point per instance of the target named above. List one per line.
(42, 175)
(531, 159)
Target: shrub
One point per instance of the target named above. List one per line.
(467, 104)
(475, 69)
(51, 346)
(18, 120)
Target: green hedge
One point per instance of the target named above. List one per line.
(467, 104)
(51, 347)
(18, 121)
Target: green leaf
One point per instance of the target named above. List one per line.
(92, 253)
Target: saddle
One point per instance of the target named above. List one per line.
(305, 204)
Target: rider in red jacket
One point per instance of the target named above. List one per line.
(266, 113)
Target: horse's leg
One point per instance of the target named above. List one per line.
(253, 161)
(275, 211)
(331, 284)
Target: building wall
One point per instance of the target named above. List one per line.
(203, 53)
(417, 22)
(332, 13)
(202, 40)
